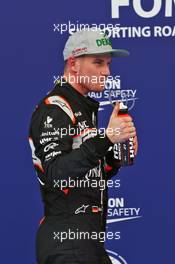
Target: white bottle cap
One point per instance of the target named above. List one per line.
(122, 106)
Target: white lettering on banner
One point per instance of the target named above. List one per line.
(117, 211)
(113, 91)
(147, 14)
(117, 202)
(169, 7)
(115, 4)
(130, 32)
(124, 212)
(166, 31)
(137, 6)
(113, 84)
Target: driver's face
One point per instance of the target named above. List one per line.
(93, 71)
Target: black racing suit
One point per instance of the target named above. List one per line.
(73, 161)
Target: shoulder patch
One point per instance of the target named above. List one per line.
(63, 104)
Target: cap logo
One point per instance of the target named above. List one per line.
(103, 42)
(79, 51)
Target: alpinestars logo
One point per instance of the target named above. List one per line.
(81, 209)
(113, 92)
(116, 258)
(47, 123)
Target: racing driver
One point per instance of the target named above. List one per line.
(72, 158)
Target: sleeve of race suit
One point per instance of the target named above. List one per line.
(111, 166)
(53, 141)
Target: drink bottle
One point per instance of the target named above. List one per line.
(124, 151)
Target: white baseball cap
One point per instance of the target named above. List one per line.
(88, 42)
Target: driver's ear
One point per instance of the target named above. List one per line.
(73, 64)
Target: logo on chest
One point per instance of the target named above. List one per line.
(82, 125)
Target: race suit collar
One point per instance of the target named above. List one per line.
(87, 100)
